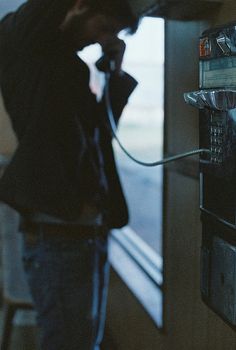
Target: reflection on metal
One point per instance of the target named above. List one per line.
(224, 43)
(220, 99)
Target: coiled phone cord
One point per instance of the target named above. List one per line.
(113, 130)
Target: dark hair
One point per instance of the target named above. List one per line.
(118, 9)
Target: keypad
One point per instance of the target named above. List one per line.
(216, 143)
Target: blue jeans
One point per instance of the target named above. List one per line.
(68, 279)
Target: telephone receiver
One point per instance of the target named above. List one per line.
(106, 64)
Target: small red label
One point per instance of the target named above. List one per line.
(204, 47)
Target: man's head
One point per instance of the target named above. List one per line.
(119, 9)
(92, 21)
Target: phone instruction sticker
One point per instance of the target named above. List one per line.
(219, 72)
(204, 47)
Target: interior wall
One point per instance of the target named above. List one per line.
(227, 13)
(128, 327)
(8, 140)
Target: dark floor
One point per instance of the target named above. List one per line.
(24, 333)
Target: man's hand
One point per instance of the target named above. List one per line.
(113, 50)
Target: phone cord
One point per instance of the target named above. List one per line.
(113, 131)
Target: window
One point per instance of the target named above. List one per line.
(141, 131)
(136, 250)
(9, 5)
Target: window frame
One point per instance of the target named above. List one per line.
(141, 269)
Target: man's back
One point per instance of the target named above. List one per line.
(64, 161)
(46, 92)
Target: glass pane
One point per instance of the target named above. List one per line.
(9, 5)
(141, 131)
(141, 126)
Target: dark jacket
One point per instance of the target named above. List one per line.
(46, 92)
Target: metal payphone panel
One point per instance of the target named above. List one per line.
(218, 269)
(218, 170)
(223, 278)
(217, 133)
(218, 72)
(216, 101)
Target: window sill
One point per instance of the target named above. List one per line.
(141, 270)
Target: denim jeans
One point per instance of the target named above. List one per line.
(68, 279)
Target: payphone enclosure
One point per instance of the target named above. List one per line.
(216, 101)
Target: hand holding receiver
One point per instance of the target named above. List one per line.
(113, 53)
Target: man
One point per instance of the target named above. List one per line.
(62, 178)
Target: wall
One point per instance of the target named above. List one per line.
(8, 141)
(226, 14)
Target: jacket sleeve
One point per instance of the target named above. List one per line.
(120, 89)
(35, 22)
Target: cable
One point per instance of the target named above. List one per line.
(113, 130)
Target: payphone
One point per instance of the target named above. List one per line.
(216, 101)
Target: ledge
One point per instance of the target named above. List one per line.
(140, 268)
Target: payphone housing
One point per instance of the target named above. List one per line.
(216, 101)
